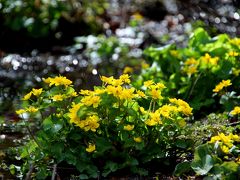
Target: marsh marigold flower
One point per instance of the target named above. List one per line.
(91, 123)
(182, 106)
(73, 113)
(235, 111)
(137, 139)
(37, 92)
(148, 83)
(58, 97)
(31, 109)
(154, 119)
(58, 81)
(233, 53)
(20, 111)
(91, 148)
(27, 96)
(127, 70)
(91, 101)
(221, 85)
(128, 127)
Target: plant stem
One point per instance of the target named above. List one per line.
(193, 86)
(54, 172)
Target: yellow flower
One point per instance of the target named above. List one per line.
(72, 94)
(58, 97)
(236, 71)
(73, 113)
(32, 109)
(27, 96)
(167, 110)
(115, 91)
(221, 85)
(234, 137)
(91, 101)
(58, 81)
(144, 65)
(107, 80)
(156, 94)
(91, 148)
(125, 78)
(235, 111)
(142, 110)
(148, 83)
(140, 94)
(91, 123)
(137, 139)
(154, 119)
(37, 92)
(235, 41)
(214, 139)
(137, 16)
(128, 127)
(174, 53)
(225, 149)
(127, 94)
(85, 92)
(233, 53)
(182, 123)
(160, 86)
(190, 70)
(20, 111)
(127, 70)
(207, 59)
(182, 106)
(191, 61)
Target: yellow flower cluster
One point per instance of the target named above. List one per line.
(207, 59)
(154, 119)
(235, 41)
(154, 89)
(30, 109)
(225, 142)
(182, 106)
(221, 85)
(233, 54)
(35, 92)
(235, 111)
(120, 89)
(90, 123)
(168, 111)
(123, 79)
(190, 66)
(91, 100)
(58, 81)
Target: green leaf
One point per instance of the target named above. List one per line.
(109, 167)
(199, 36)
(203, 162)
(182, 168)
(12, 169)
(70, 157)
(83, 176)
(181, 143)
(103, 145)
(204, 166)
(230, 166)
(47, 123)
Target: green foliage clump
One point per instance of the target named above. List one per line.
(192, 72)
(41, 17)
(113, 128)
